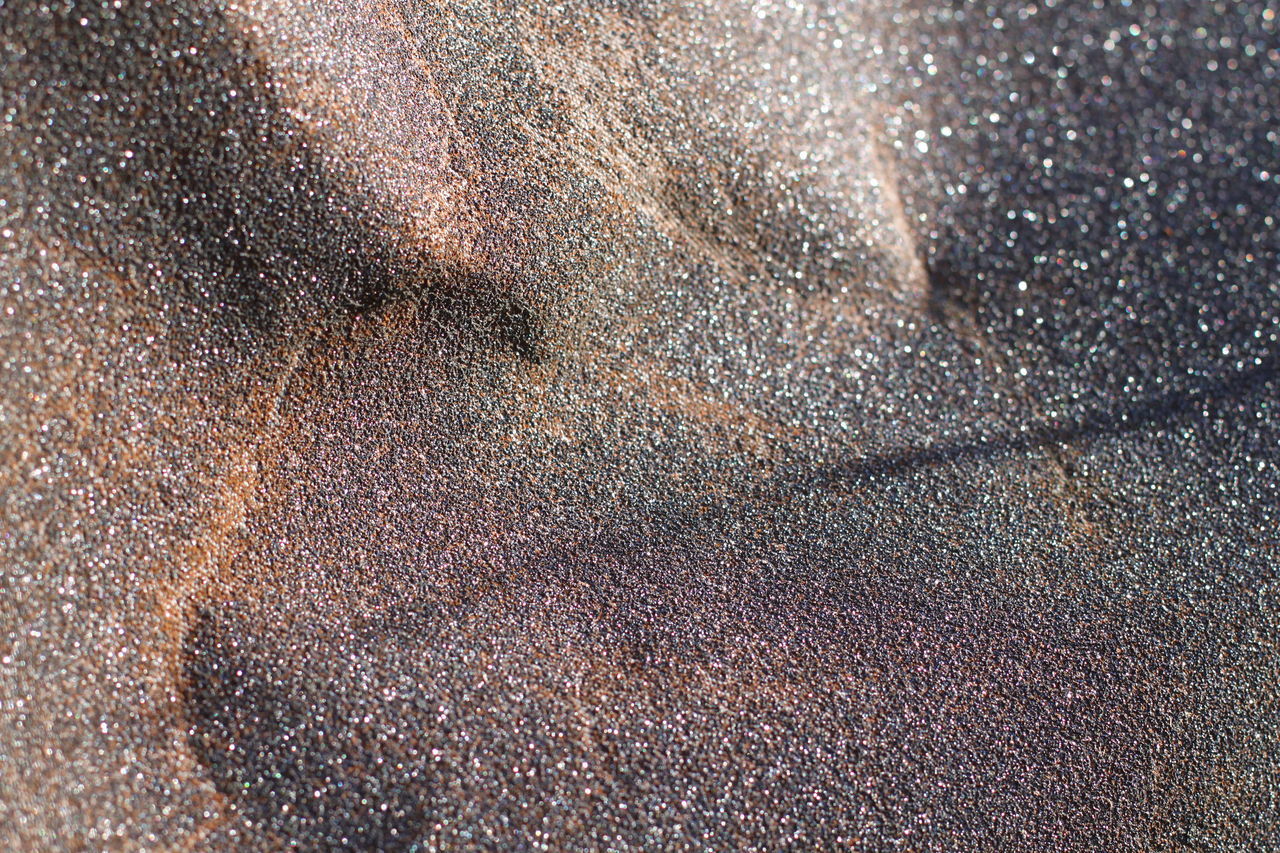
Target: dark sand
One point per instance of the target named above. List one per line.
(633, 426)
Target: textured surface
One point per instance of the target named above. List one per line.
(632, 425)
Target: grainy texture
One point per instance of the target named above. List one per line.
(632, 425)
